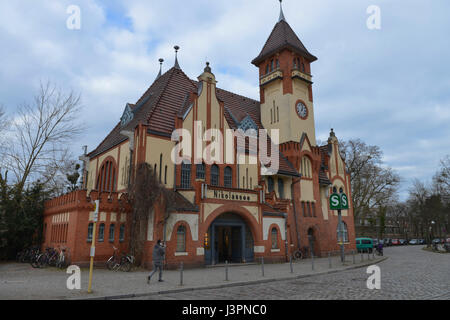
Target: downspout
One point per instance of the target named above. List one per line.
(295, 212)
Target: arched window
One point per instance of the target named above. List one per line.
(341, 190)
(344, 232)
(122, 233)
(214, 175)
(90, 230)
(111, 232)
(165, 175)
(278, 64)
(160, 168)
(270, 184)
(334, 190)
(274, 238)
(101, 232)
(306, 167)
(200, 171)
(185, 175)
(271, 65)
(294, 63)
(281, 188)
(267, 69)
(271, 116)
(181, 239)
(228, 177)
(106, 179)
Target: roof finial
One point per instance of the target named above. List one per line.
(176, 57)
(207, 68)
(161, 60)
(281, 12)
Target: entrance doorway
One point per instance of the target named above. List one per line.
(229, 239)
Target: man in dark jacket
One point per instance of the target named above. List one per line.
(158, 257)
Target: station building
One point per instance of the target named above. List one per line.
(224, 211)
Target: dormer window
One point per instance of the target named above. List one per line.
(127, 116)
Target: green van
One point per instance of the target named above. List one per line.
(364, 245)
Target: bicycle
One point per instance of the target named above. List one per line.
(302, 253)
(62, 260)
(124, 263)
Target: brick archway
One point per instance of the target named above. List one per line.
(241, 212)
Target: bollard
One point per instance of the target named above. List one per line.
(290, 262)
(329, 260)
(373, 254)
(262, 266)
(368, 255)
(226, 270)
(181, 274)
(353, 254)
(312, 261)
(362, 257)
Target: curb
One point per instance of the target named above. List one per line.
(227, 285)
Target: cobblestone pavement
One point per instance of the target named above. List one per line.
(410, 273)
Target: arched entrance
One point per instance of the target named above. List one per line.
(229, 239)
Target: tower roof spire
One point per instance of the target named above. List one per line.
(281, 12)
(177, 65)
(161, 60)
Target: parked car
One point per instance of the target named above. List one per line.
(395, 242)
(421, 241)
(413, 241)
(447, 240)
(403, 242)
(381, 241)
(436, 241)
(364, 245)
(387, 242)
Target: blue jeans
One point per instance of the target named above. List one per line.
(157, 265)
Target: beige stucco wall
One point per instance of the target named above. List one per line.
(154, 148)
(290, 125)
(307, 192)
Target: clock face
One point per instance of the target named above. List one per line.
(302, 110)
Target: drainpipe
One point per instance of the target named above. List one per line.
(285, 236)
(295, 212)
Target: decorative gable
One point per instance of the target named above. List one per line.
(127, 116)
(248, 123)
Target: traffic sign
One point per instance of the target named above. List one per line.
(335, 202)
(344, 201)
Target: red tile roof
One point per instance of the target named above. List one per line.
(167, 98)
(282, 37)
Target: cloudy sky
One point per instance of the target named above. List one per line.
(388, 87)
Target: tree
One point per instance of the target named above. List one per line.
(146, 192)
(373, 185)
(41, 131)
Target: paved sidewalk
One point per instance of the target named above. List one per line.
(21, 281)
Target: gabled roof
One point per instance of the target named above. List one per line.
(283, 37)
(168, 98)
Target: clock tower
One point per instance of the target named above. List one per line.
(285, 82)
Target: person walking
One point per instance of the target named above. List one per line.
(158, 257)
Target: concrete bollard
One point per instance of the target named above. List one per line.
(181, 273)
(329, 260)
(368, 255)
(290, 263)
(226, 270)
(262, 266)
(362, 256)
(373, 254)
(312, 261)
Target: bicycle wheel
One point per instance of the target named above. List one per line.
(298, 255)
(110, 264)
(34, 261)
(125, 266)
